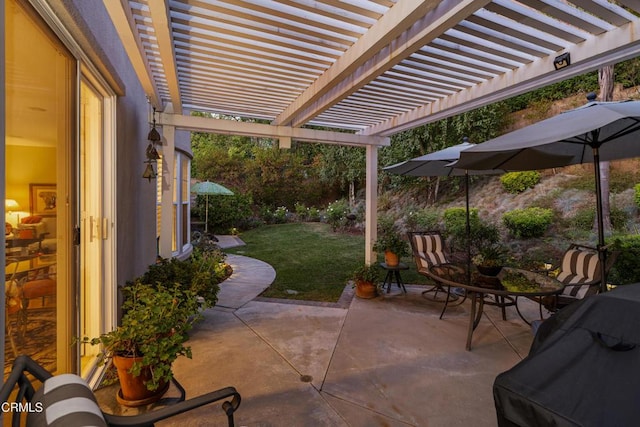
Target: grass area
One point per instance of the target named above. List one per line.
(310, 259)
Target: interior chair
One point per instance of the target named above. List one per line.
(37, 283)
(579, 271)
(429, 250)
(12, 301)
(67, 400)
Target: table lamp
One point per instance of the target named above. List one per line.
(10, 206)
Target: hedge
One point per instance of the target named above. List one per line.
(517, 182)
(529, 222)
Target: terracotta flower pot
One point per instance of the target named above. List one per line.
(391, 259)
(366, 290)
(133, 390)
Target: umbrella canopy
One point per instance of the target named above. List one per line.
(439, 163)
(208, 188)
(597, 131)
(606, 128)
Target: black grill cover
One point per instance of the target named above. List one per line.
(583, 367)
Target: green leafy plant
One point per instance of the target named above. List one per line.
(455, 224)
(517, 182)
(636, 195)
(366, 274)
(302, 212)
(230, 211)
(528, 222)
(313, 214)
(337, 214)
(154, 326)
(422, 219)
(389, 238)
(492, 255)
(626, 268)
(200, 273)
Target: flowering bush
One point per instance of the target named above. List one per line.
(337, 214)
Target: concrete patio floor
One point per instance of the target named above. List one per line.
(387, 361)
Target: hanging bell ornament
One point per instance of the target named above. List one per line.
(149, 173)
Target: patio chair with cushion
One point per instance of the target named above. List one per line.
(67, 400)
(579, 271)
(429, 250)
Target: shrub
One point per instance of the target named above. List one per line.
(455, 224)
(517, 182)
(583, 219)
(619, 218)
(313, 214)
(302, 212)
(636, 197)
(337, 214)
(200, 273)
(626, 269)
(422, 219)
(280, 215)
(529, 222)
(225, 211)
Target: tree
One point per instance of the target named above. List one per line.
(344, 166)
(606, 81)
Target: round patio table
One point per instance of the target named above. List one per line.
(509, 284)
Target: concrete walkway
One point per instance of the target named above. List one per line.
(388, 361)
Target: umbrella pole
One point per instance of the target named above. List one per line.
(468, 226)
(602, 251)
(206, 213)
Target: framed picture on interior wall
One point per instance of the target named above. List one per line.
(43, 199)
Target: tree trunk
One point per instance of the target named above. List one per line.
(436, 189)
(352, 194)
(605, 79)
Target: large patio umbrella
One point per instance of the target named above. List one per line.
(208, 188)
(596, 131)
(438, 163)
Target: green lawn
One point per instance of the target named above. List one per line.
(309, 259)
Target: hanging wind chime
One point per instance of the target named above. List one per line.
(151, 152)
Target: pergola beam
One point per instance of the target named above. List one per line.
(609, 48)
(284, 133)
(124, 23)
(162, 26)
(399, 33)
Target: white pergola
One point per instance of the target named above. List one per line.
(373, 67)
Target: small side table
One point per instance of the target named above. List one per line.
(393, 272)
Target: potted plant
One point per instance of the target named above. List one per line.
(490, 259)
(390, 242)
(152, 334)
(365, 280)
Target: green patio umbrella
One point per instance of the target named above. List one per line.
(208, 188)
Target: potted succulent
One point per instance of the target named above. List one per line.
(490, 259)
(365, 280)
(152, 334)
(390, 242)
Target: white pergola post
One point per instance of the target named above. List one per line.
(166, 207)
(371, 203)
